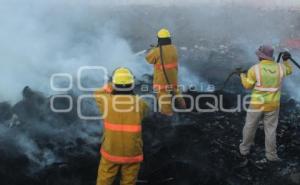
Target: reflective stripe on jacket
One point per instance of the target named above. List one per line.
(170, 57)
(122, 127)
(122, 135)
(268, 77)
(172, 65)
(265, 79)
(121, 159)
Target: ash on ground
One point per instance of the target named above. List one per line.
(42, 147)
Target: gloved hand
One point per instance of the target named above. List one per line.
(239, 71)
(286, 55)
(151, 47)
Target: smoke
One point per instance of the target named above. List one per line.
(33, 152)
(43, 38)
(257, 3)
(39, 39)
(44, 143)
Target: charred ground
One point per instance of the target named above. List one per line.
(38, 146)
(192, 148)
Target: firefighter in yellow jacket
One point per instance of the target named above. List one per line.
(265, 79)
(164, 57)
(122, 146)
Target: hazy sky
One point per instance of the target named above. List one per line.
(39, 38)
(279, 3)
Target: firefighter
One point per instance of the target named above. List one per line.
(265, 79)
(122, 145)
(164, 58)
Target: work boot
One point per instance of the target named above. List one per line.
(243, 161)
(261, 164)
(272, 157)
(275, 159)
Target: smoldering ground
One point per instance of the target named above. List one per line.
(39, 39)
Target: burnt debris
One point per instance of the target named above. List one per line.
(190, 149)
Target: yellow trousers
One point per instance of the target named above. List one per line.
(108, 171)
(165, 102)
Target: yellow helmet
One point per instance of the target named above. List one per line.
(122, 76)
(163, 33)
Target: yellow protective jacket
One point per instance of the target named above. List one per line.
(170, 58)
(265, 80)
(122, 117)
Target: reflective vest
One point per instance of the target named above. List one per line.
(266, 93)
(268, 77)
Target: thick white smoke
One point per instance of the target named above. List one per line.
(42, 38)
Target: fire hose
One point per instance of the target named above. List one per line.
(238, 70)
(291, 59)
(296, 64)
(140, 52)
(144, 51)
(164, 69)
(172, 92)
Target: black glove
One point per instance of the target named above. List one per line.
(286, 55)
(239, 71)
(151, 47)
